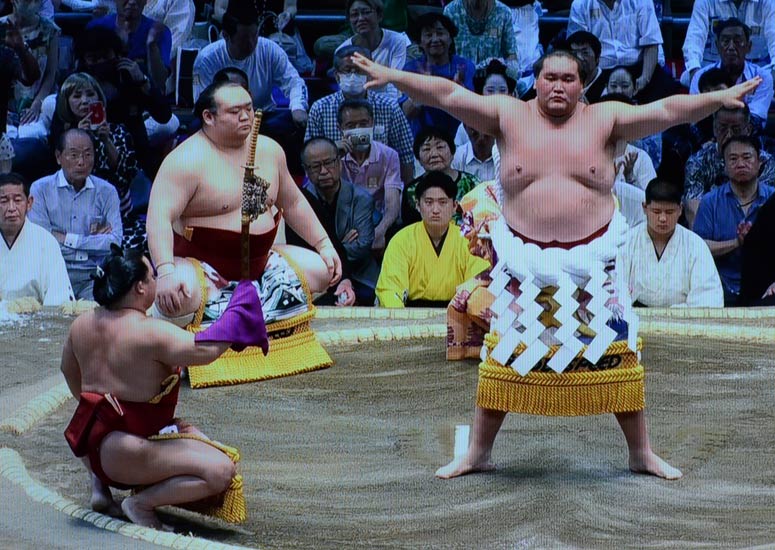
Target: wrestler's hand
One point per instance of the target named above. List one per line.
(379, 75)
(769, 292)
(734, 97)
(626, 165)
(170, 291)
(333, 263)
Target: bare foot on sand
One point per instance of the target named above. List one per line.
(102, 500)
(141, 516)
(650, 463)
(461, 466)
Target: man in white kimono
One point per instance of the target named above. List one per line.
(31, 264)
(667, 265)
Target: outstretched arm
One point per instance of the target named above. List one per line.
(631, 123)
(481, 113)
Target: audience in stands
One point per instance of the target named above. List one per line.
(475, 156)
(524, 20)
(17, 64)
(664, 264)
(757, 277)
(587, 48)
(147, 42)
(371, 165)
(435, 150)
(277, 23)
(621, 81)
(80, 210)
(115, 159)
(386, 47)
(630, 36)
(266, 65)
(709, 81)
(178, 17)
(485, 30)
(31, 264)
(131, 98)
(705, 170)
(426, 261)
(726, 213)
(699, 48)
(493, 79)
(346, 213)
(390, 124)
(394, 17)
(733, 42)
(41, 36)
(435, 33)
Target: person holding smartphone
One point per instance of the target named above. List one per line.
(115, 158)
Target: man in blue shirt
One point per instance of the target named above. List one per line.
(80, 210)
(725, 215)
(148, 42)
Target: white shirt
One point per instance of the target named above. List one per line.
(630, 199)
(700, 43)
(177, 15)
(34, 266)
(685, 275)
(267, 67)
(643, 170)
(525, 21)
(623, 32)
(465, 160)
(759, 101)
(391, 52)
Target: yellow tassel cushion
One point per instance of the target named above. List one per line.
(229, 505)
(614, 384)
(293, 347)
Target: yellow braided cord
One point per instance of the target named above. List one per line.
(575, 393)
(200, 277)
(616, 348)
(295, 354)
(230, 505)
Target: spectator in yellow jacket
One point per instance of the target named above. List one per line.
(426, 261)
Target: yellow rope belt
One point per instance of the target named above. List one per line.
(581, 392)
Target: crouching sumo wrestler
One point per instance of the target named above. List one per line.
(123, 367)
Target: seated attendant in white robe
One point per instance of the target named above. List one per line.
(31, 263)
(664, 264)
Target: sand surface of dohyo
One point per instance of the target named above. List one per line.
(344, 457)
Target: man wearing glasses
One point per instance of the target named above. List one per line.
(79, 209)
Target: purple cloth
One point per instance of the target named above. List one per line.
(242, 322)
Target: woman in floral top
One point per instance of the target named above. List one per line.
(115, 159)
(42, 37)
(434, 148)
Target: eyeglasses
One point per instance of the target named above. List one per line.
(361, 13)
(73, 156)
(329, 165)
(154, 273)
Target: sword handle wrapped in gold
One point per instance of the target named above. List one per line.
(249, 211)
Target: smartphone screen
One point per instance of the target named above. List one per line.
(96, 114)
